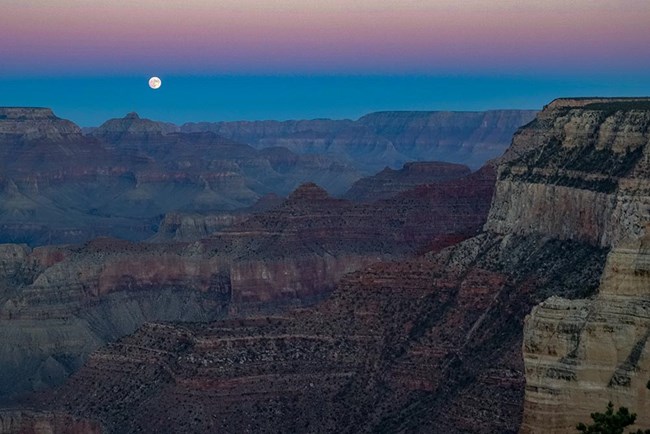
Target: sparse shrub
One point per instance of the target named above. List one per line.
(610, 422)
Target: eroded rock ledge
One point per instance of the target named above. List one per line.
(581, 354)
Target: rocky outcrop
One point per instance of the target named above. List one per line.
(178, 226)
(422, 345)
(26, 124)
(58, 186)
(107, 289)
(385, 138)
(582, 354)
(432, 344)
(61, 303)
(390, 182)
(471, 138)
(132, 125)
(586, 161)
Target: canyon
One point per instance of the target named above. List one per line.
(382, 139)
(61, 184)
(496, 301)
(60, 303)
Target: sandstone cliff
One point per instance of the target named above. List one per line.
(580, 171)
(581, 354)
(58, 186)
(177, 226)
(22, 124)
(432, 344)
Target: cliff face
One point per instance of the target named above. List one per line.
(585, 160)
(470, 137)
(58, 186)
(423, 345)
(22, 124)
(416, 346)
(390, 182)
(433, 344)
(581, 354)
(386, 138)
(58, 304)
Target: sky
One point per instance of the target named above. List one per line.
(280, 59)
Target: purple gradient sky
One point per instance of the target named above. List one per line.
(69, 37)
(281, 59)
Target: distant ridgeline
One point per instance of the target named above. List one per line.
(533, 315)
(59, 185)
(528, 324)
(384, 139)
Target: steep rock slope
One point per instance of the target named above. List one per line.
(58, 186)
(426, 345)
(581, 354)
(412, 346)
(417, 219)
(178, 226)
(385, 138)
(580, 170)
(57, 304)
(390, 182)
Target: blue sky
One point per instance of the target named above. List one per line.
(182, 98)
(89, 60)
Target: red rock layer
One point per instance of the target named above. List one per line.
(416, 346)
(60, 303)
(389, 182)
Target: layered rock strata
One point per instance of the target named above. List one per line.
(389, 182)
(59, 186)
(426, 345)
(582, 354)
(57, 304)
(384, 139)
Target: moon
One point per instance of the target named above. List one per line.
(155, 82)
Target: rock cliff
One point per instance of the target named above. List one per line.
(386, 138)
(432, 344)
(581, 354)
(390, 182)
(58, 186)
(24, 124)
(57, 304)
(428, 344)
(580, 171)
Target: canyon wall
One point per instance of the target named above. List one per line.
(582, 354)
(385, 139)
(59, 186)
(428, 344)
(60, 303)
(432, 343)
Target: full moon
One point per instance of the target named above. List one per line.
(155, 82)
